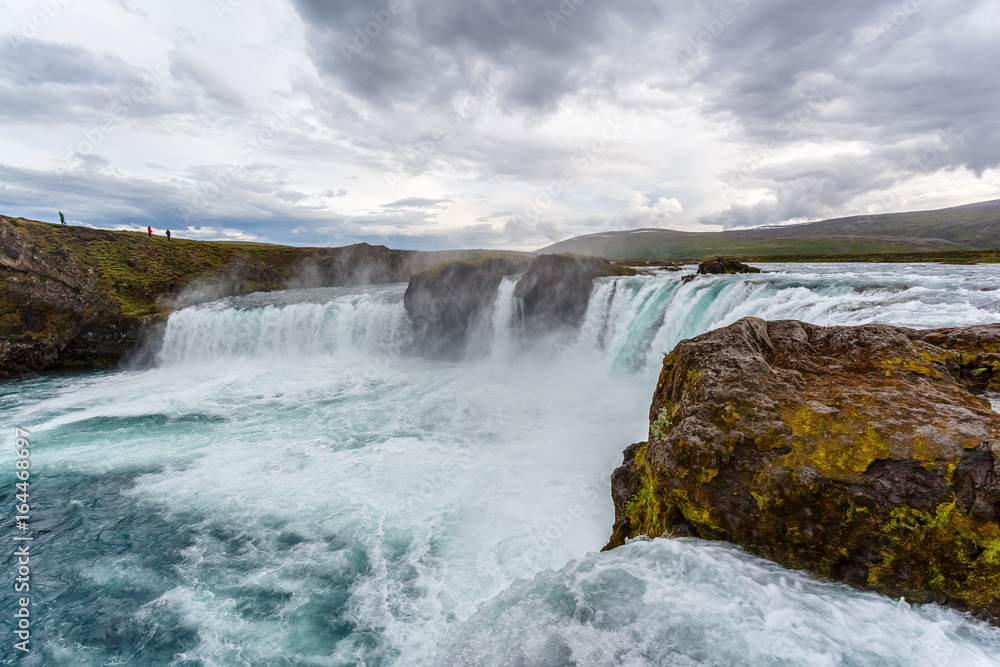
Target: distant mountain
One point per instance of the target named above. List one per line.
(969, 227)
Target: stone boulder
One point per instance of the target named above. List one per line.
(447, 304)
(556, 289)
(866, 455)
(721, 265)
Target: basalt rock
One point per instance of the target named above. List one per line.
(450, 306)
(449, 303)
(721, 265)
(556, 289)
(867, 455)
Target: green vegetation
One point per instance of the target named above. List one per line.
(947, 257)
(922, 235)
(136, 270)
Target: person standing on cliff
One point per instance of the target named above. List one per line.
(62, 218)
(149, 230)
(168, 234)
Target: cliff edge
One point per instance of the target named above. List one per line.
(77, 297)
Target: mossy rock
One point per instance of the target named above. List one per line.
(724, 265)
(866, 455)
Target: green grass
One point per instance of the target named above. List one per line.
(137, 270)
(946, 230)
(948, 257)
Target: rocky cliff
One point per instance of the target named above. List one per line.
(451, 303)
(448, 305)
(81, 297)
(867, 455)
(556, 289)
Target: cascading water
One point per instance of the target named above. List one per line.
(291, 323)
(291, 487)
(508, 319)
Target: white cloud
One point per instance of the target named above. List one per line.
(793, 111)
(640, 213)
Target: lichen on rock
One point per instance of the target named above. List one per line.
(865, 454)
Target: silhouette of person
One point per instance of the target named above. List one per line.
(168, 234)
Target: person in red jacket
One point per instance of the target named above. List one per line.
(149, 230)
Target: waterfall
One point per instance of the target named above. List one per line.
(287, 324)
(507, 319)
(635, 320)
(631, 322)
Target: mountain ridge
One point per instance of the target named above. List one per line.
(973, 226)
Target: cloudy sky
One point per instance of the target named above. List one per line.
(491, 123)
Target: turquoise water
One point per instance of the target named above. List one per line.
(290, 487)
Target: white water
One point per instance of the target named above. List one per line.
(290, 487)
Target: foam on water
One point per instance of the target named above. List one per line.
(686, 602)
(290, 487)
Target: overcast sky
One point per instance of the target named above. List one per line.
(491, 123)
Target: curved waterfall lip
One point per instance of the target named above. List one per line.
(630, 321)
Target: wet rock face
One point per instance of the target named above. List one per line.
(864, 454)
(451, 305)
(448, 304)
(720, 265)
(556, 289)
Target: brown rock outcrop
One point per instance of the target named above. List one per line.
(864, 454)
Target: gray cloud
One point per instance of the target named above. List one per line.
(416, 202)
(431, 51)
(805, 110)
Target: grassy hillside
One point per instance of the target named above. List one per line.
(952, 257)
(137, 270)
(974, 227)
(76, 296)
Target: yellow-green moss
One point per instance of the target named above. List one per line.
(842, 445)
(948, 552)
(691, 379)
(652, 512)
(728, 415)
(645, 510)
(698, 517)
(914, 365)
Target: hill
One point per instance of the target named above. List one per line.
(971, 227)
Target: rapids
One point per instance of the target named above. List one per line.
(289, 486)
